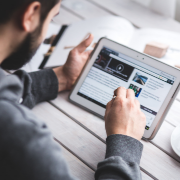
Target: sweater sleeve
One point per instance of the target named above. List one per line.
(123, 155)
(38, 86)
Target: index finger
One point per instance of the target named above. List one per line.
(84, 44)
(120, 92)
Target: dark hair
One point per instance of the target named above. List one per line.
(9, 8)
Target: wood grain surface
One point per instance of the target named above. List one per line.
(96, 126)
(77, 168)
(73, 137)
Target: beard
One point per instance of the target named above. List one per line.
(24, 53)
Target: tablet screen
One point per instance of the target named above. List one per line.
(113, 69)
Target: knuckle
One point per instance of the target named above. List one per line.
(119, 101)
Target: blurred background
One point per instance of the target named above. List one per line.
(165, 7)
(141, 14)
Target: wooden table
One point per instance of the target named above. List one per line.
(81, 134)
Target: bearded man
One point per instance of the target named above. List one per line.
(27, 148)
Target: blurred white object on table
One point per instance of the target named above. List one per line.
(175, 140)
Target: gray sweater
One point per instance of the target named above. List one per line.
(27, 148)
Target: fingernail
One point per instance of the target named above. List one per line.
(88, 35)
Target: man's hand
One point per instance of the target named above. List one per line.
(123, 115)
(68, 74)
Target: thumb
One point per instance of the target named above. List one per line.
(84, 44)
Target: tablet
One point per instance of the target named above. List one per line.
(112, 65)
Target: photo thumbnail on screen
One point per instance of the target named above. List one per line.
(139, 78)
(104, 58)
(112, 66)
(120, 69)
(136, 89)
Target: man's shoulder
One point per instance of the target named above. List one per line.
(14, 115)
(11, 114)
(9, 109)
(11, 121)
(18, 124)
(11, 88)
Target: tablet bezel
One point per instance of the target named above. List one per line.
(100, 111)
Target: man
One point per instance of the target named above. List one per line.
(27, 149)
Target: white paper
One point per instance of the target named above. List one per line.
(115, 28)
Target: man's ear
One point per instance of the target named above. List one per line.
(31, 17)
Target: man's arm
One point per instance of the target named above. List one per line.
(122, 159)
(125, 125)
(38, 86)
(44, 85)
